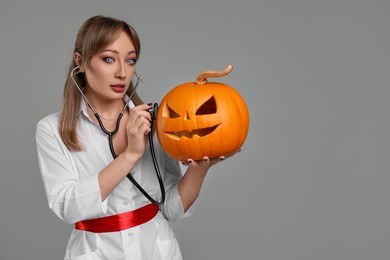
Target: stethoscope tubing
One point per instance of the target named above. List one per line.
(111, 134)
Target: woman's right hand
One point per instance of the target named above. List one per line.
(138, 126)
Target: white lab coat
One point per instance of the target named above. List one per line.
(71, 183)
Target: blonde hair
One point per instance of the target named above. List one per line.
(95, 34)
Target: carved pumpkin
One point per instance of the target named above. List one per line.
(201, 118)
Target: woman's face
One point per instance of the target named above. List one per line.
(109, 72)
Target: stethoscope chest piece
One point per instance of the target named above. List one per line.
(153, 110)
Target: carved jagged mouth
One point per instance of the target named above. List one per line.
(195, 133)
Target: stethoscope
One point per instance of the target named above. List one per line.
(111, 134)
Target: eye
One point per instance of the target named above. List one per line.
(169, 112)
(208, 107)
(131, 61)
(108, 59)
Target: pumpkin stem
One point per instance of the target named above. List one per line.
(202, 78)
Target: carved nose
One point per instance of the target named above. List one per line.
(186, 116)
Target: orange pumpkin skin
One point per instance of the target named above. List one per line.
(196, 120)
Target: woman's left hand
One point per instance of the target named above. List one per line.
(206, 162)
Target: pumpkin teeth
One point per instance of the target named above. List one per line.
(194, 134)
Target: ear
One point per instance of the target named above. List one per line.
(78, 60)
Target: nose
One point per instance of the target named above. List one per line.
(121, 71)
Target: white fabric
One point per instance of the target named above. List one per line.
(71, 184)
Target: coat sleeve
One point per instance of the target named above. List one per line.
(173, 208)
(69, 197)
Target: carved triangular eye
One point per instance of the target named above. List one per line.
(169, 112)
(208, 107)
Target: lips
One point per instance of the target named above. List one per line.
(119, 88)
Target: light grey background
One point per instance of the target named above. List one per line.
(312, 181)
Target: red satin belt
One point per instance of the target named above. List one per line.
(119, 222)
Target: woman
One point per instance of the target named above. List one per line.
(84, 182)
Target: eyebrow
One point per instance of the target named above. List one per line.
(116, 52)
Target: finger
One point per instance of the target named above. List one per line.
(139, 130)
(145, 128)
(135, 114)
(141, 121)
(214, 160)
(137, 122)
(145, 109)
(142, 107)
